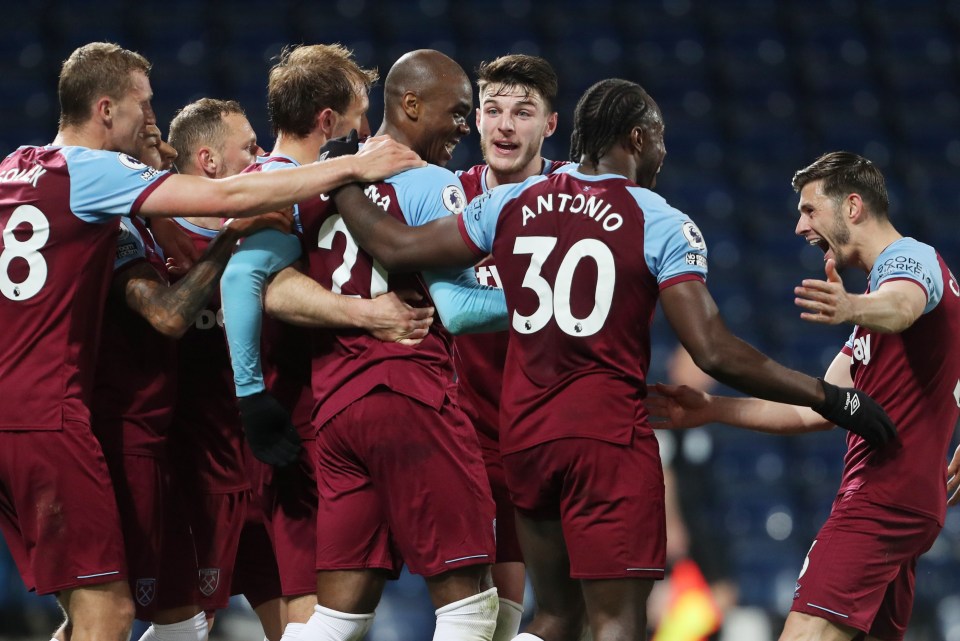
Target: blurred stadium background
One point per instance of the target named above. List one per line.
(751, 90)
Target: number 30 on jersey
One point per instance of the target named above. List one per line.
(555, 302)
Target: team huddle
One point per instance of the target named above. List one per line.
(290, 374)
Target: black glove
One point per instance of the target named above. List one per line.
(853, 410)
(345, 146)
(266, 424)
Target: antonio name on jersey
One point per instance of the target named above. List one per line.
(590, 206)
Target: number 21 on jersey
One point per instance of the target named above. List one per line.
(554, 302)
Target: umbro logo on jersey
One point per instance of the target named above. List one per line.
(852, 404)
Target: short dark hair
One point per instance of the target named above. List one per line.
(607, 112)
(94, 70)
(310, 78)
(520, 70)
(844, 173)
(200, 123)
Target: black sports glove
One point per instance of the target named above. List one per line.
(266, 424)
(345, 146)
(853, 410)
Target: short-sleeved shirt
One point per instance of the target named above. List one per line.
(59, 209)
(915, 376)
(135, 384)
(479, 358)
(206, 436)
(348, 364)
(582, 260)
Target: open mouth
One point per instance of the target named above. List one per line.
(506, 147)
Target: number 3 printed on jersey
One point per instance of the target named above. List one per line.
(27, 250)
(555, 302)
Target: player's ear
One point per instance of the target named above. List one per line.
(325, 122)
(207, 160)
(551, 125)
(103, 108)
(411, 105)
(478, 118)
(635, 141)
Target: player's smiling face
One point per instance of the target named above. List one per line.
(513, 121)
(444, 121)
(822, 223)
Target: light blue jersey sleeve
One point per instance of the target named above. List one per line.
(482, 214)
(258, 257)
(909, 259)
(672, 244)
(104, 184)
(464, 304)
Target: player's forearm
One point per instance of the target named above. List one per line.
(247, 194)
(882, 311)
(390, 242)
(765, 416)
(465, 305)
(173, 309)
(297, 299)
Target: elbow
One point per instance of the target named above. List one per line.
(172, 326)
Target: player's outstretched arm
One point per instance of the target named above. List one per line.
(680, 407)
(892, 308)
(295, 298)
(260, 192)
(694, 316)
(172, 309)
(399, 247)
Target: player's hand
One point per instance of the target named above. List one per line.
(272, 437)
(953, 479)
(177, 246)
(677, 407)
(392, 319)
(851, 409)
(382, 157)
(825, 301)
(281, 220)
(344, 146)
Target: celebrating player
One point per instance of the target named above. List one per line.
(581, 293)
(859, 574)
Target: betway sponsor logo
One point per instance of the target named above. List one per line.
(861, 349)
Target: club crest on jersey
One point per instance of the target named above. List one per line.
(209, 580)
(146, 591)
(130, 162)
(693, 236)
(454, 199)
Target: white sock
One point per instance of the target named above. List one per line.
(508, 620)
(329, 625)
(193, 629)
(526, 636)
(470, 619)
(292, 632)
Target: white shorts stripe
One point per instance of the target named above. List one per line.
(92, 576)
(820, 607)
(645, 569)
(464, 558)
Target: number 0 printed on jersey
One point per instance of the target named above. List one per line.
(554, 302)
(22, 254)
